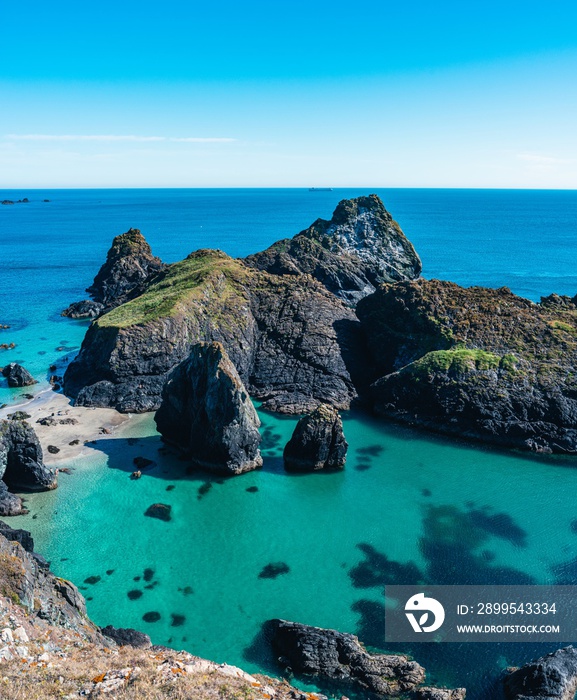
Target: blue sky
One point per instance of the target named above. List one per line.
(179, 94)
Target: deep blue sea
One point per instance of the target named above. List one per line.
(459, 513)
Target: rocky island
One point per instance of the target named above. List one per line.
(338, 315)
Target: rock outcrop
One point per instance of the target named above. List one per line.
(439, 694)
(335, 656)
(359, 248)
(293, 343)
(318, 442)
(26, 579)
(129, 267)
(478, 363)
(207, 413)
(17, 375)
(552, 677)
(127, 637)
(84, 309)
(21, 458)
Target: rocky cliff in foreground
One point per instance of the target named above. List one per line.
(50, 649)
(478, 363)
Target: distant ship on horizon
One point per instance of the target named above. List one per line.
(320, 189)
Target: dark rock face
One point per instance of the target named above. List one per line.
(479, 363)
(17, 375)
(22, 536)
(129, 265)
(207, 413)
(84, 309)
(21, 464)
(127, 637)
(318, 442)
(552, 677)
(359, 248)
(439, 694)
(10, 503)
(294, 344)
(340, 657)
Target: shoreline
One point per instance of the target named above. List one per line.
(73, 424)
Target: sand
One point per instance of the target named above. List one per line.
(91, 424)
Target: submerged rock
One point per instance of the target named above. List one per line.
(160, 511)
(207, 413)
(17, 375)
(21, 458)
(318, 442)
(340, 657)
(552, 677)
(359, 248)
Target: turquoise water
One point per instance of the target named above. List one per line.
(407, 507)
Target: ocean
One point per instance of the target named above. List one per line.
(406, 502)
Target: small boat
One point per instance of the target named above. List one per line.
(320, 189)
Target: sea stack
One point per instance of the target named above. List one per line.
(318, 442)
(207, 413)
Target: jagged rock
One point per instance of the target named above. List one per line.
(552, 677)
(21, 459)
(25, 579)
(22, 536)
(290, 340)
(10, 503)
(478, 363)
(84, 309)
(332, 655)
(318, 442)
(19, 415)
(127, 637)
(207, 413)
(439, 694)
(129, 265)
(17, 375)
(359, 248)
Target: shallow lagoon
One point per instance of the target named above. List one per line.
(407, 507)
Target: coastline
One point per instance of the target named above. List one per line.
(73, 424)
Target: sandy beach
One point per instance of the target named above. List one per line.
(69, 427)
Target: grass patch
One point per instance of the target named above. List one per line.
(202, 276)
(456, 360)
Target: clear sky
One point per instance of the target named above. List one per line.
(374, 94)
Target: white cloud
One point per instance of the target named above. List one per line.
(538, 159)
(114, 137)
